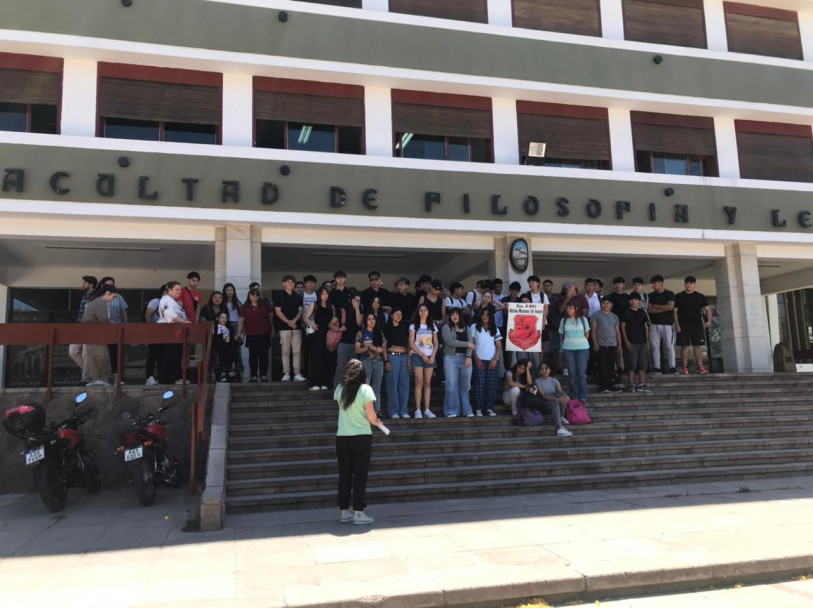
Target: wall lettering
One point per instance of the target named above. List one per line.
(55, 182)
(106, 184)
(495, 205)
(777, 221)
(14, 177)
(622, 207)
(681, 214)
(563, 203)
(270, 193)
(368, 198)
(593, 208)
(230, 191)
(652, 216)
(466, 204)
(531, 205)
(731, 212)
(190, 182)
(431, 197)
(804, 219)
(142, 189)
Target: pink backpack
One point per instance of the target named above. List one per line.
(576, 413)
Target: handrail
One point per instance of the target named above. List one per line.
(58, 334)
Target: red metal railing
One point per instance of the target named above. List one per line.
(53, 334)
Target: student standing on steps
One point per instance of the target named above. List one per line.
(661, 305)
(354, 441)
(396, 364)
(605, 334)
(575, 333)
(692, 319)
(370, 348)
(487, 351)
(287, 314)
(423, 344)
(320, 318)
(255, 319)
(457, 361)
(635, 330)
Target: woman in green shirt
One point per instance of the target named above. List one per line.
(354, 440)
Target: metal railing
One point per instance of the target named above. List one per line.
(54, 334)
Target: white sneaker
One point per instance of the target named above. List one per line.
(469, 415)
(564, 372)
(346, 516)
(492, 413)
(360, 518)
(395, 417)
(428, 414)
(179, 381)
(452, 416)
(418, 414)
(324, 388)
(315, 388)
(405, 416)
(151, 381)
(478, 413)
(99, 383)
(299, 378)
(286, 378)
(563, 432)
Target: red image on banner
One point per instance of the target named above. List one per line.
(524, 334)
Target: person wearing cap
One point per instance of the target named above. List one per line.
(635, 334)
(661, 305)
(75, 350)
(692, 315)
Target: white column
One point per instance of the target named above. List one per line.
(806, 33)
(238, 111)
(78, 114)
(3, 319)
(743, 319)
(621, 148)
(500, 264)
(716, 38)
(612, 19)
(728, 160)
(378, 121)
(506, 131)
(376, 5)
(499, 13)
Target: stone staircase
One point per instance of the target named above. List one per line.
(690, 428)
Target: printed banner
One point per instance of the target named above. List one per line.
(525, 327)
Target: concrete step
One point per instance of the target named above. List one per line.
(440, 491)
(534, 455)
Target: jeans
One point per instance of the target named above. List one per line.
(353, 453)
(344, 353)
(374, 368)
(458, 384)
(576, 363)
(397, 385)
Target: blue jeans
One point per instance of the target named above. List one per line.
(374, 368)
(576, 363)
(458, 385)
(397, 385)
(344, 353)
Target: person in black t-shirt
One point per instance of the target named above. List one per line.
(287, 321)
(402, 299)
(661, 304)
(373, 290)
(692, 315)
(621, 304)
(338, 295)
(352, 324)
(635, 334)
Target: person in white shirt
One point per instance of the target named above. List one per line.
(487, 351)
(170, 311)
(537, 297)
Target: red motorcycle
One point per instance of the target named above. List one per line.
(145, 451)
(56, 453)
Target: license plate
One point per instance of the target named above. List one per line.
(133, 454)
(35, 455)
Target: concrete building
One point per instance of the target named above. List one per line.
(249, 138)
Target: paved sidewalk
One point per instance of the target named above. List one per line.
(107, 551)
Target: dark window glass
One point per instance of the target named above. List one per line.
(459, 149)
(190, 134)
(270, 134)
(676, 164)
(43, 119)
(643, 161)
(314, 138)
(13, 117)
(350, 140)
(480, 150)
(430, 147)
(126, 128)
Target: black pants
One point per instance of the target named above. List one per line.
(225, 356)
(354, 454)
(169, 369)
(606, 366)
(113, 350)
(153, 359)
(323, 362)
(258, 354)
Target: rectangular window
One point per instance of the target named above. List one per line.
(762, 31)
(311, 116)
(678, 22)
(159, 104)
(461, 10)
(441, 127)
(574, 136)
(565, 16)
(30, 92)
(674, 145)
(774, 151)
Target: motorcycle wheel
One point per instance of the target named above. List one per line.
(91, 475)
(54, 494)
(144, 480)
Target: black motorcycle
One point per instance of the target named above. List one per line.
(55, 453)
(145, 451)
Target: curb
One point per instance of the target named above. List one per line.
(213, 499)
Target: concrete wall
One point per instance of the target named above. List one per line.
(101, 432)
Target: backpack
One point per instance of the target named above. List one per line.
(576, 413)
(526, 417)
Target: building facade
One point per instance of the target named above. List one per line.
(250, 138)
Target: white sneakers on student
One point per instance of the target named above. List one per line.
(563, 432)
(418, 414)
(286, 378)
(428, 414)
(346, 516)
(151, 381)
(360, 518)
(299, 378)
